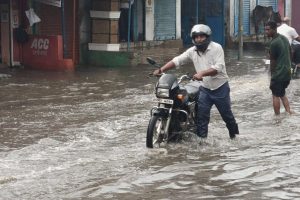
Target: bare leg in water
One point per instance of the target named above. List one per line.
(276, 105)
(285, 102)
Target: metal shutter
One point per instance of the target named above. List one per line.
(52, 23)
(246, 17)
(164, 19)
(273, 3)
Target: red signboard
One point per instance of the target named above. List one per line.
(46, 52)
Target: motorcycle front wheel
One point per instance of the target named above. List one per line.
(156, 131)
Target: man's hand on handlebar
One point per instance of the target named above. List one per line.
(157, 72)
(198, 76)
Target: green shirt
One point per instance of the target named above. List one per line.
(280, 58)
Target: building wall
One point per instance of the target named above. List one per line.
(5, 33)
(104, 26)
(281, 7)
(295, 19)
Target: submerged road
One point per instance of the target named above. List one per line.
(82, 136)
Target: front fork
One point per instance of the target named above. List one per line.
(168, 123)
(294, 71)
(164, 113)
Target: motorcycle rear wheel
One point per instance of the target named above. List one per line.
(155, 131)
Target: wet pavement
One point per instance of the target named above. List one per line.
(81, 135)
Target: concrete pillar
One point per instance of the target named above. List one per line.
(178, 19)
(149, 21)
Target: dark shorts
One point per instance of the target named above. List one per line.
(278, 87)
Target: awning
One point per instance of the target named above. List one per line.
(56, 3)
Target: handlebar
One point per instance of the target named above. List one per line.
(185, 77)
(159, 75)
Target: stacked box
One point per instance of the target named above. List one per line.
(106, 5)
(105, 31)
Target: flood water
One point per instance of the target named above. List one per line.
(81, 136)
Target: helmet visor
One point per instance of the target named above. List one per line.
(195, 34)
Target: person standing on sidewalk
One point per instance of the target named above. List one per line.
(208, 59)
(280, 66)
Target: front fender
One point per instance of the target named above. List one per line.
(162, 112)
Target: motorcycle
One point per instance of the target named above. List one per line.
(176, 108)
(295, 59)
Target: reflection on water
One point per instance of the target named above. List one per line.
(81, 135)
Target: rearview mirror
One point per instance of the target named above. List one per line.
(151, 61)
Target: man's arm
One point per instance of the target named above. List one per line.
(218, 64)
(209, 72)
(273, 56)
(177, 61)
(164, 68)
(272, 64)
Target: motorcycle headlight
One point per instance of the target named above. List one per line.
(162, 93)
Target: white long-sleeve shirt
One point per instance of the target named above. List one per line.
(213, 57)
(289, 32)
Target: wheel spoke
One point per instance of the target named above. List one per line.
(157, 134)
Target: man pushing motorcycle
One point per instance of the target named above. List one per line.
(294, 39)
(208, 59)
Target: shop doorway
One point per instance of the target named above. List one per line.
(209, 12)
(137, 21)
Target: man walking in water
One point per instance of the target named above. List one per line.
(280, 66)
(208, 59)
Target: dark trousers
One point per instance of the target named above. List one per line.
(221, 99)
(296, 54)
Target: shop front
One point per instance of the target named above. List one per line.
(5, 50)
(210, 12)
(42, 34)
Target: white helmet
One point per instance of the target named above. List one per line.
(200, 29)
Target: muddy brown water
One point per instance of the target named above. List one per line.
(81, 135)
